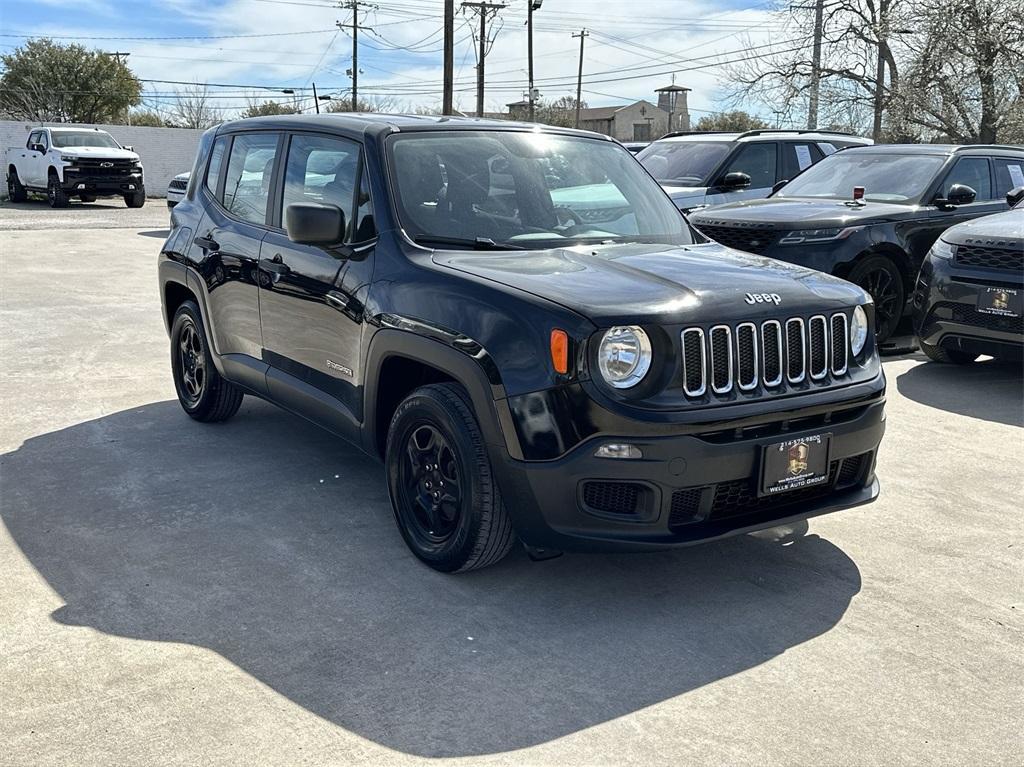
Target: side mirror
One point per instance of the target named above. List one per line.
(128, 148)
(1015, 195)
(38, 148)
(959, 194)
(779, 184)
(735, 180)
(314, 223)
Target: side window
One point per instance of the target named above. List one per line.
(797, 158)
(44, 140)
(972, 172)
(758, 162)
(1009, 174)
(365, 229)
(322, 169)
(33, 138)
(249, 175)
(213, 171)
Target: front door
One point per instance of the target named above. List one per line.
(312, 297)
(759, 161)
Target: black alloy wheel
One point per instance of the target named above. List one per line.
(192, 362)
(202, 392)
(55, 194)
(880, 277)
(15, 191)
(430, 484)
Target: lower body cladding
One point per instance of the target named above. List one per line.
(696, 487)
(970, 310)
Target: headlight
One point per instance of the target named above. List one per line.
(858, 331)
(624, 356)
(818, 235)
(70, 158)
(942, 249)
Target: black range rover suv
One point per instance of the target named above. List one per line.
(878, 236)
(970, 292)
(518, 321)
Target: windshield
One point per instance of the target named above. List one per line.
(65, 139)
(885, 177)
(526, 189)
(683, 163)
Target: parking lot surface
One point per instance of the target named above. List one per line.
(180, 593)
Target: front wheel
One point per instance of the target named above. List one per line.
(55, 193)
(135, 199)
(87, 197)
(443, 492)
(880, 277)
(202, 392)
(948, 356)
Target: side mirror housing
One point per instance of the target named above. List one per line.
(779, 184)
(959, 194)
(38, 148)
(128, 148)
(314, 223)
(1015, 195)
(735, 180)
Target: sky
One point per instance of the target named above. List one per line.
(260, 47)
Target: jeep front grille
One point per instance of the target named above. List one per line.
(747, 356)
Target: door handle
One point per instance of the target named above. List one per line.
(337, 300)
(206, 243)
(275, 266)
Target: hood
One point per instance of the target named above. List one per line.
(663, 284)
(98, 152)
(1004, 227)
(686, 196)
(183, 176)
(803, 213)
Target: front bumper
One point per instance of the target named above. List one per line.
(81, 183)
(688, 488)
(946, 310)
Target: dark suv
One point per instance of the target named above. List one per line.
(870, 214)
(970, 292)
(518, 321)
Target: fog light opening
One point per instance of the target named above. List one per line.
(619, 450)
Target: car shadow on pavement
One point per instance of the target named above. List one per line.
(987, 390)
(272, 543)
(160, 234)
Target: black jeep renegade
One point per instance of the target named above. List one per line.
(518, 321)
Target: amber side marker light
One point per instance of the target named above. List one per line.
(560, 351)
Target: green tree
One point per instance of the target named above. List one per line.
(46, 81)
(147, 118)
(267, 108)
(731, 121)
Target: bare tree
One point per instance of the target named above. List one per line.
(193, 108)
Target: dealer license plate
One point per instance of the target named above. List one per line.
(795, 464)
(1003, 302)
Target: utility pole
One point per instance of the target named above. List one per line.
(117, 55)
(316, 101)
(879, 95)
(583, 35)
(484, 9)
(353, 5)
(819, 31)
(449, 56)
(531, 6)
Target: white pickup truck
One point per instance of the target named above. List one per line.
(74, 162)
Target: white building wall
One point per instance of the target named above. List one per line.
(165, 152)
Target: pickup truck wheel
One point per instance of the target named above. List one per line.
(202, 392)
(87, 197)
(56, 195)
(15, 191)
(443, 492)
(135, 199)
(949, 356)
(880, 277)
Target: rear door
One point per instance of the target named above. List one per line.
(797, 156)
(760, 161)
(226, 248)
(312, 297)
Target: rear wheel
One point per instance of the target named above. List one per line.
(55, 194)
(444, 495)
(880, 277)
(202, 392)
(16, 192)
(87, 197)
(949, 356)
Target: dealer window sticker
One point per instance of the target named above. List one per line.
(1016, 175)
(803, 156)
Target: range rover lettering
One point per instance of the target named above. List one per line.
(519, 323)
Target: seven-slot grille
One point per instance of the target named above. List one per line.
(746, 355)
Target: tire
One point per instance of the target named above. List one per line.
(880, 277)
(87, 197)
(202, 392)
(135, 199)
(435, 427)
(16, 192)
(55, 194)
(948, 356)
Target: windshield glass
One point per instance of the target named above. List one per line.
(683, 163)
(65, 139)
(885, 177)
(527, 190)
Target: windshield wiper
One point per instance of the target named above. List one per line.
(478, 243)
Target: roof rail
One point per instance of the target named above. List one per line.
(761, 131)
(672, 134)
(962, 147)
